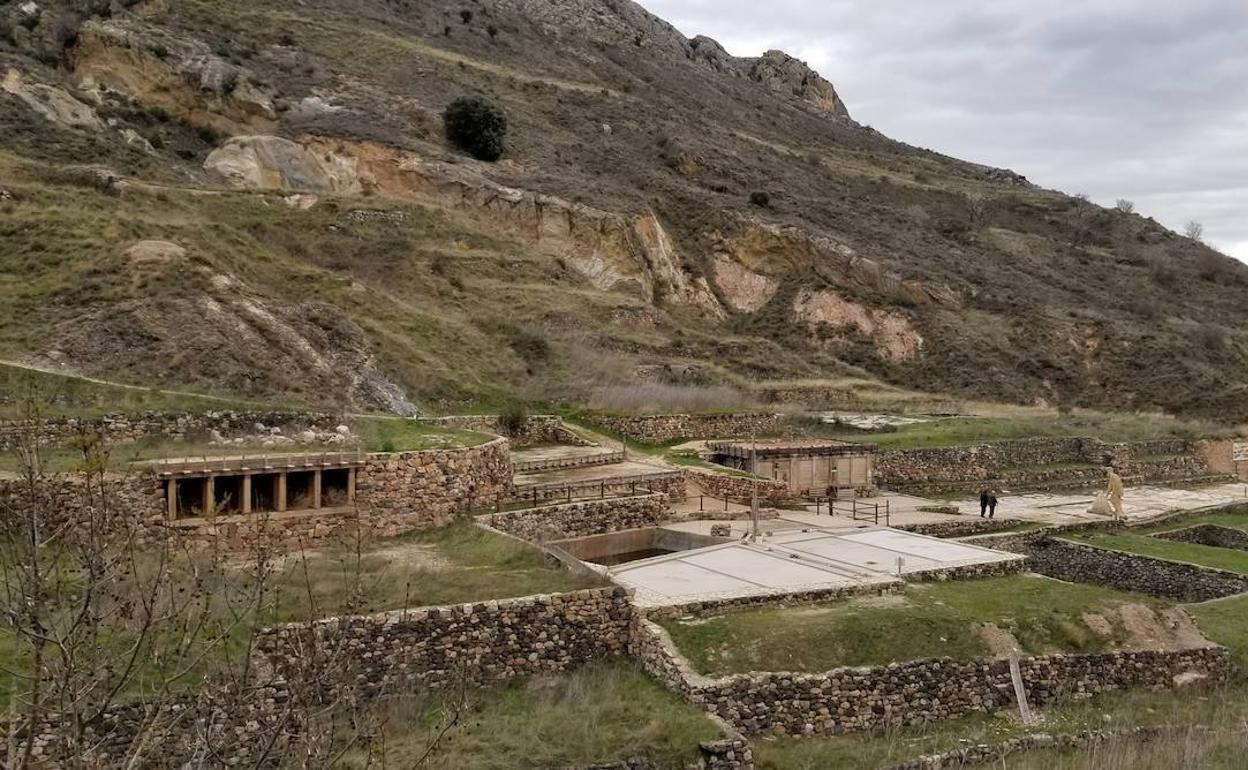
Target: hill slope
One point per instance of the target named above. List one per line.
(318, 240)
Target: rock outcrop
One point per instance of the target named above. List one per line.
(785, 74)
(55, 104)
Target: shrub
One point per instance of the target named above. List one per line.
(476, 127)
(512, 419)
(760, 199)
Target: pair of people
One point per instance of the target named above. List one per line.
(987, 504)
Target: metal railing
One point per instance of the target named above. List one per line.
(858, 511)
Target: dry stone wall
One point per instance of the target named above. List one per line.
(1079, 563)
(580, 519)
(662, 428)
(479, 643)
(69, 499)
(423, 490)
(863, 698)
(1038, 463)
(961, 526)
(537, 429)
(1211, 535)
(174, 426)
(725, 486)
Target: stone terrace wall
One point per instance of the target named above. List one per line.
(1209, 534)
(662, 428)
(1037, 462)
(485, 642)
(725, 486)
(960, 526)
(422, 490)
(537, 429)
(1079, 563)
(66, 499)
(855, 699)
(128, 428)
(582, 518)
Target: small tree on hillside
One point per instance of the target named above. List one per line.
(1194, 230)
(476, 126)
(1125, 206)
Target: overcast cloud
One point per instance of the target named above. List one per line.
(1139, 99)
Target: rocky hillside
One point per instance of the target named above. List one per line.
(256, 198)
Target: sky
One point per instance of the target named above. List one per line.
(1145, 100)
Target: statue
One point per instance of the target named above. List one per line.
(1109, 502)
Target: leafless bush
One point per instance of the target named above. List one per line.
(1125, 206)
(1194, 230)
(976, 209)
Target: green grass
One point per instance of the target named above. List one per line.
(388, 434)
(600, 713)
(1225, 621)
(927, 620)
(455, 564)
(1226, 707)
(956, 431)
(1235, 517)
(63, 395)
(1191, 553)
(458, 563)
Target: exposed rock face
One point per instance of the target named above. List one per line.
(615, 252)
(745, 290)
(780, 250)
(54, 104)
(180, 75)
(274, 163)
(781, 72)
(894, 336)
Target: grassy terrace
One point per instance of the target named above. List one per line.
(600, 713)
(1141, 541)
(372, 434)
(927, 620)
(70, 396)
(1225, 709)
(458, 563)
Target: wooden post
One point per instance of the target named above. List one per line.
(244, 505)
(351, 484)
(171, 497)
(279, 492)
(208, 501)
(316, 488)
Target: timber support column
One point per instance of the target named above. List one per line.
(244, 505)
(316, 488)
(279, 492)
(351, 484)
(171, 498)
(209, 501)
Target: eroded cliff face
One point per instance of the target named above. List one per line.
(177, 74)
(615, 252)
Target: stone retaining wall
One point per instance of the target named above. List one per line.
(67, 499)
(1037, 463)
(423, 490)
(997, 752)
(662, 428)
(478, 643)
(537, 429)
(1080, 563)
(582, 518)
(174, 426)
(724, 486)
(960, 526)
(863, 698)
(1209, 534)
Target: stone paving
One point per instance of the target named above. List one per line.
(1140, 503)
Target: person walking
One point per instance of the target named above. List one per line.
(983, 503)
(992, 504)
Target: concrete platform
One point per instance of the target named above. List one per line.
(792, 560)
(1140, 503)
